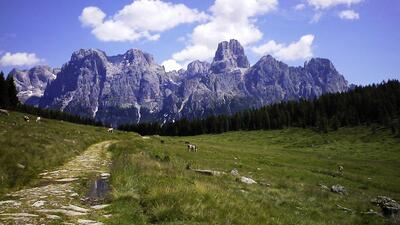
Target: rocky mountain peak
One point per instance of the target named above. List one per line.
(138, 57)
(31, 83)
(198, 67)
(229, 56)
(87, 53)
(319, 64)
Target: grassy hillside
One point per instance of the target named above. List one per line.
(151, 182)
(152, 185)
(26, 149)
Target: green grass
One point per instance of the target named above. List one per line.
(39, 146)
(150, 190)
(151, 185)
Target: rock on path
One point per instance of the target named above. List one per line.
(58, 199)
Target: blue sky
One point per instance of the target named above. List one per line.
(361, 37)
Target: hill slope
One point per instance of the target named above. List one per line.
(154, 179)
(29, 148)
(292, 167)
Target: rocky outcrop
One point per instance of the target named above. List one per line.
(133, 88)
(31, 83)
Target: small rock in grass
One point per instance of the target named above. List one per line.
(234, 172)
(10, 202)
(53, 217)
(338, 189)
(324, 187)
(246, 180)
(265, 184)
(66, 180)
(210, 172)
(100, 206)
(38, 203)
(76, 208)
(89, 222)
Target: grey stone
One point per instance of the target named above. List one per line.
(338, 189)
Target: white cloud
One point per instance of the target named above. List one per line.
(92, 16)
(349, 15)
(228, 21)
(171, 65)
(324, 4)
(301, 49)
(299, 7)
(19, 59)
(140, 19)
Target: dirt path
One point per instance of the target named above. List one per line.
(60, 198)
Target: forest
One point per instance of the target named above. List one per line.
(376, 104)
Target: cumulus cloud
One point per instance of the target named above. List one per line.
(140, 19)
(92, 16)
(324, 4)
(349, 15)
(228, 21)
(171, 65)
(19, 59)
(301, 49)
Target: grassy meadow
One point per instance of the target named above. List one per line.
(152, 185)
(153, 181)
(27, 149)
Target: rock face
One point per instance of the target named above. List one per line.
(133, 88)
(31, 83)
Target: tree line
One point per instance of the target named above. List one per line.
(372, 104)
(9, 100)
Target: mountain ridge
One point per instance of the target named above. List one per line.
(133, 88)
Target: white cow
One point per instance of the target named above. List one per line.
(110, 130)
(192, 148)
(38, 119)
(26, 118)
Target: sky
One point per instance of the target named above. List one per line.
(360, 37)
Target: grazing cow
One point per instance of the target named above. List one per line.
(38, 119)
(110, 130)
(162, 141)
(4, 112)
(26, 118)
(340, 168)
(192, 148)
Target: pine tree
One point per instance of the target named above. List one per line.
(3, 92)
(12, 92)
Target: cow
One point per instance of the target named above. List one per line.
(110, 130)
(38, 119)
(26, 118)
(191, 148)
(4, 112)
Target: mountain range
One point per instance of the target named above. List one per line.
(133, 88)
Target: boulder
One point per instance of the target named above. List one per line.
(246, 180)
(338, 189)
(388, 206)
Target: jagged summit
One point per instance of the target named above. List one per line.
(229, 56)
(132, 88)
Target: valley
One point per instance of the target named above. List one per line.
(154, 180)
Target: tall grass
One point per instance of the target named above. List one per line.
(147, 189)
